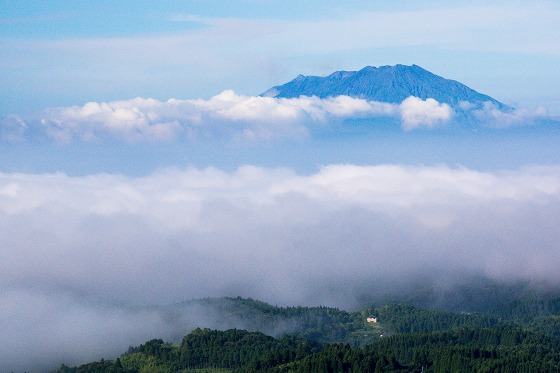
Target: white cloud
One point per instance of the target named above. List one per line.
(491, 115)
(72, 247)
(225, 115)
(232, 116)
(342, 107)
(133, 120)
(416, 112)
(178, 202)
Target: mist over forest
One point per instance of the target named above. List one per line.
(88, 254)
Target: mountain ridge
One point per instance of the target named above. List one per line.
(390, 84)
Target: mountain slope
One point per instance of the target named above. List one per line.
(413, 340)
(385, 84)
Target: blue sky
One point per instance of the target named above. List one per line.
(138, 167)
(59, 53)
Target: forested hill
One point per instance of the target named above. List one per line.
(521, 336)
(497, 349)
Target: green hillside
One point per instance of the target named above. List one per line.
(521, 336)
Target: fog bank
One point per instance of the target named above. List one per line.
(80, 255)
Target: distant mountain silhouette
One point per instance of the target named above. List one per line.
(385, 84)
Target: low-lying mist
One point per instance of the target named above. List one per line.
(86, 262)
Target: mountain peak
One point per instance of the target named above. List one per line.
(385, 84)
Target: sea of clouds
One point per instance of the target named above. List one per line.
(81, 254)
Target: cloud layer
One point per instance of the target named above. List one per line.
(227, 114)
(237, 117)
(245, 118)
(78, 252)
